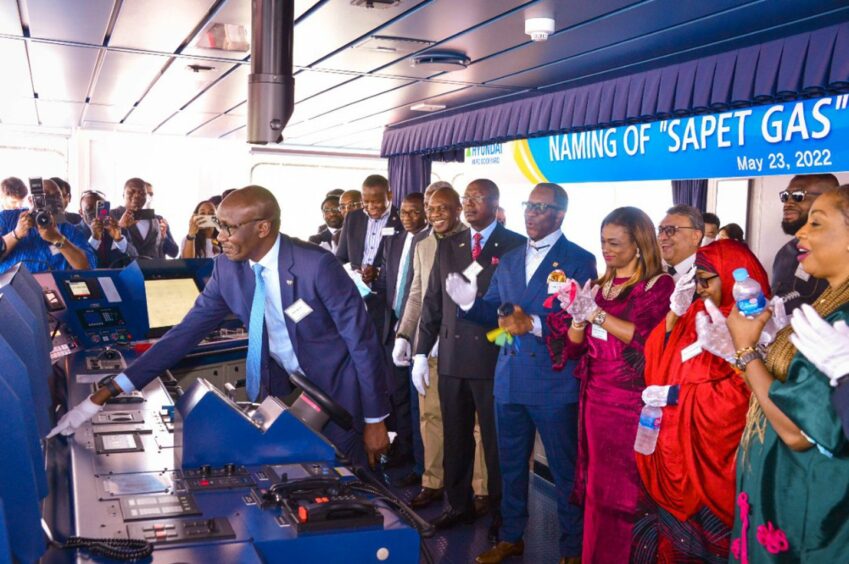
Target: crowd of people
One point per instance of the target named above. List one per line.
(491, 338)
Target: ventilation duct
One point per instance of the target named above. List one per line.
(271, 86)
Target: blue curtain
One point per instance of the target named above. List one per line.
(411, 173)
(690, 192)
(809, 64)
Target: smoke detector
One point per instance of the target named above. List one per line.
(446, 61)
(539, 28)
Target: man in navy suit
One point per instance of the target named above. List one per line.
(314, 322)
(530, 396)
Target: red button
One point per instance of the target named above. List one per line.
(204, 482)
(302, 514)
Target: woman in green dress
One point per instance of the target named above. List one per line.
(793, 463)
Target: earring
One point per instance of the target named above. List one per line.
(638, 252)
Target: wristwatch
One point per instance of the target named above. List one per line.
(600, 317)
(61, 242)
(110, 385)
(743, 357)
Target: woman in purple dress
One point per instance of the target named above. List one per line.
(606, 327)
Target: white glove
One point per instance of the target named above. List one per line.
(401, 352)
(826, 346)
(713, 333)
(584, 303)
(421, 374)
(682, 295)
(463, 293)
(776, 323)
(656, 396)
(72, 420)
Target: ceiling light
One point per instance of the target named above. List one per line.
(441, 61)
(226, 37)
(423, 107)
(394, 45)
(539, 28)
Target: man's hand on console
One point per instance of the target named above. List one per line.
(376, 439)
(84, 411)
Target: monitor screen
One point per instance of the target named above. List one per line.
(168, 302)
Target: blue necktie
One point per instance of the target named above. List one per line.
(399, 295)
(255, 329)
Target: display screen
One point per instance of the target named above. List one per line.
(100, 317)
(79, 289)
(168, 301)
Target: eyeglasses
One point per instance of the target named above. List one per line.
(704, 282)
(476, 199)
(330, 210)
(539, 207)
(797, 195)
(231, 228)
(410, 213)
(350, 207)
(670, 230)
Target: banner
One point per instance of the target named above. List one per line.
(798, 137)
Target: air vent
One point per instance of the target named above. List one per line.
(422, 107)
(378, 4)
(441, 61)
(393, 45)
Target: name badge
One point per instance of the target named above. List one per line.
(298, 310)
(387, 232)
(599, 333)
(556, 281)
(472, 271)
(691, 351)
(801, 274)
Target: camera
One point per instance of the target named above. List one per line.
(45, 209)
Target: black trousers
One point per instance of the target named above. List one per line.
(460, 398)
(401, 419)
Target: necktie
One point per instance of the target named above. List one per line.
(402, 276)
(476, 248)
(335, 238)
(255, 329)
(671, 270)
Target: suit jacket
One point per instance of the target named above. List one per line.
(352, 242)
(464, 351)
(840, 403)
(524, 373)
(113, 255)
(387, 280)
(336, 345)
(153, 245)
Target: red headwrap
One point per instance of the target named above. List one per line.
(694, 462)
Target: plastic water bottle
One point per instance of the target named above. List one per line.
(748, 294)
(648, 429)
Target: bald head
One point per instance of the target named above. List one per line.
(256, 202)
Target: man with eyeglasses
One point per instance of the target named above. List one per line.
(787, 273)
(466, 358)
(303, 314)
(530, 396)
(680, 234)
(349, 201)
(328, 238)
(106, 239)
(151, 238)
(362, 240)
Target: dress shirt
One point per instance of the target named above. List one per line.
(334, 240)
(144, 225)
(485, 233)
(37, 254)
(117, 245)
(535, 254)
(683, 267)
(374, 233)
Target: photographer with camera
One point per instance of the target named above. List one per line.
(34, 237)
(202, 240)
(102, 232)
(147, 231)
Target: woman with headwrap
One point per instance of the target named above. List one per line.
(690, 475)
(793, 464)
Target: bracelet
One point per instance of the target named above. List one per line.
(743, 357)
(579, 326)
(15, 233)
(190, 237)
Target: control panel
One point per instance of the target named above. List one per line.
(227, 477)
(182, 530)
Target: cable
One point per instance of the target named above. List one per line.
(129, 550)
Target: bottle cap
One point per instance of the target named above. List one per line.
(740, 274)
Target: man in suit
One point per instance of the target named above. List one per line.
(466, 359)
(350, 200)
(104, 236)
(394, 280)
(530, 396)
(311, 319)
(151, 237)
(362, 240)
(679, 235)
(328, 238)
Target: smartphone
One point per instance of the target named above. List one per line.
(207, 221)
(144, 214)
(102, 209)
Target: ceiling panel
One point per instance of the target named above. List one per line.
(85, 23)
(18, 111)
(219, 126)
(309, 83)
(183, 122)
(166, 23)
(236, 135)
(59, 114)
(240, 110)
(10, 18)
(175, 88)
(224, 94)
(124, 77)
(451, 100)
(60, 72)
(104, 113)
(14, 70)
(358, 89)
(337, 23)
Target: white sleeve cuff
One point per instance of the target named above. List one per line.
(376, 419)
(93, 243)
(120, 245)
(536, 328)
(124, 383)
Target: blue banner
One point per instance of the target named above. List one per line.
(798, 137)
